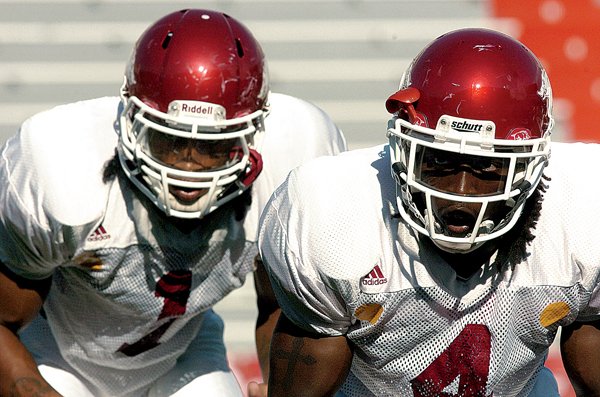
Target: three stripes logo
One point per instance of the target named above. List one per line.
(375, 277)
(99, 234)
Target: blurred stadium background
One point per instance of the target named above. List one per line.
(344, 55)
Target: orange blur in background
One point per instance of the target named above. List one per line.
(562, 33)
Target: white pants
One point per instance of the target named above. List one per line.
(201, 371)
(218, 383)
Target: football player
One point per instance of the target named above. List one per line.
(124, 220)
(444, 263)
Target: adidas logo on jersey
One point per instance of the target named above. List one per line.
(375, 277)
(99, 234)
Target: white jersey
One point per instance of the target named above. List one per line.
(129, 288)
(342, 262)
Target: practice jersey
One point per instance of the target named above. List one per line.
(129, 287)
(342, 262)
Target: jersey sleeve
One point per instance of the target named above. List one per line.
(592, 311)
(307, 296)
(53, 191)
(319, 237)
(27, 244)
(296, 131)
(566, 227)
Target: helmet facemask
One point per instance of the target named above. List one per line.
(469, 137)
(495, 177)
(193, 150)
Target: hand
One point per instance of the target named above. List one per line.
(257, 389)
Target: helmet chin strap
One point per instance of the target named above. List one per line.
(456, 248)
(485, 227)
(201, 205)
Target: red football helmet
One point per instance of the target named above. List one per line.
(196, 86)
(476, 97)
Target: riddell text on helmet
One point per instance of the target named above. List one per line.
(197, 109)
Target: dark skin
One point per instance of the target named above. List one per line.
(580, 344)
(190, 155)
(268, 314)
(309, 365)
(21, 302)
(463, 175)
(306, 364)
(297, 351)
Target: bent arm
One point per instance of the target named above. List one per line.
(268, 314)
(306, 364)
(21, 301)
(580, 350)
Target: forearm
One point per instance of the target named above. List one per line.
(580, 349)
(268, 314)
(21, 302)
(306, 365)
(264, 334)
(19, 376)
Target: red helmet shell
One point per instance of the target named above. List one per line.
(199, 55)
(482, 74)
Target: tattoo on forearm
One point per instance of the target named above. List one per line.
(293, 357)
(29, 387)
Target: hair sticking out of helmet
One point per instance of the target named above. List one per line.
(476, 100)
(197, 82)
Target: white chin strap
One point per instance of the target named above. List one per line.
(201, 206)
(459, 247)
(456, 248)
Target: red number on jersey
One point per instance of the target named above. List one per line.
(174, 287)
(464, 365)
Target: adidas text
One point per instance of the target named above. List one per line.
(99, 237)
(377, 281)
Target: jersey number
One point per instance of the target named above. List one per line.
(461, 370)
(174, 287)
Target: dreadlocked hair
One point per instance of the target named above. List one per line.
(111, 168)
(512, 247)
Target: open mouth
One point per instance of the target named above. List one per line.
(458, 221)
(187, 195)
